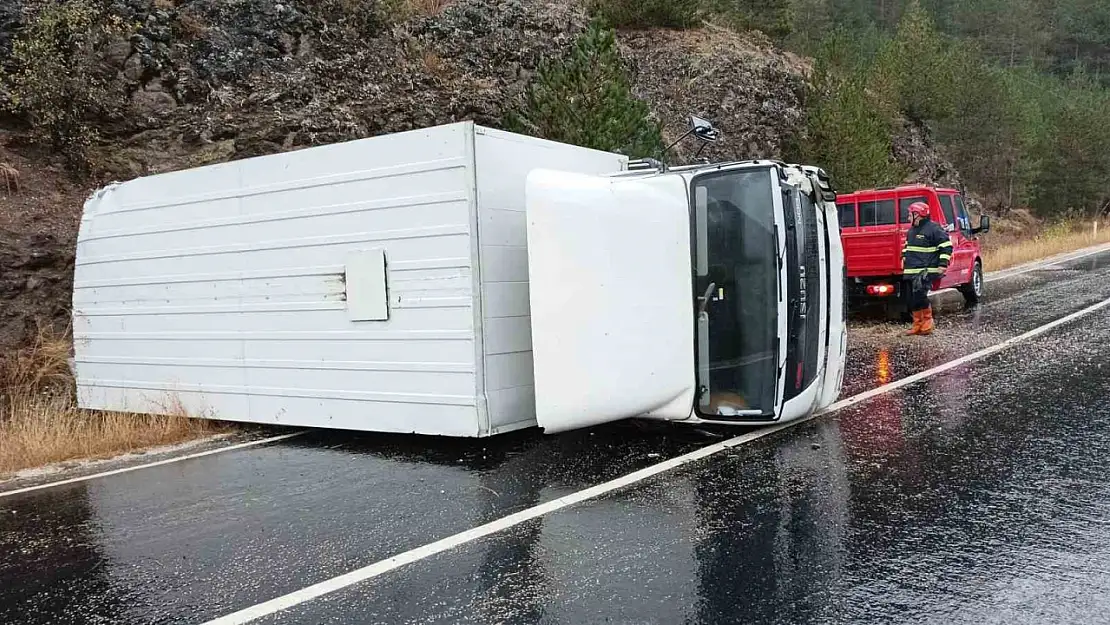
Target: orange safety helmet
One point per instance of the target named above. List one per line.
(919, 209)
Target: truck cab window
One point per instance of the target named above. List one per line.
(962, 217)
(878, 213)
(736, 266)
(847, 215)
(946, 208)
(904, 207)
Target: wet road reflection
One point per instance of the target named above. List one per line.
(882, 373)
(1011, 307)
(977, 496)
(50, 559)
(191, 541)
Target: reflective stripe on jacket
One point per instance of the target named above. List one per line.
(928, 249)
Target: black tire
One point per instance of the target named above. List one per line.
(973, 291)
(897, 311)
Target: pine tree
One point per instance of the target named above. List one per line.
(847, 127)
(775, 18)
(1074, 171)
(586, 99)
(918, 65)
(646, 13)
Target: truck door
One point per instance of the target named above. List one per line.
(968, 249)
(958, 265)
(609, 272)
(737, 282)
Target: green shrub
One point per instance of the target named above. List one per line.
(1019, 134)
(586, 99)
(848, 129)
(58, 84)
(774, 18)
(646, 13)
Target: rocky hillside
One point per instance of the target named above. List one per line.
(213, 80)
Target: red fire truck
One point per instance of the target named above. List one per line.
(873, 225)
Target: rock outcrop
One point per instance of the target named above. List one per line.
(210, 80)
(914, 148)
(751, 91)
(38, 225)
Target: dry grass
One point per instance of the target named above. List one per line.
(434, 64)
(424, 8)
(191, 26)
(9, 176)
(1016, 249)
(41, 424)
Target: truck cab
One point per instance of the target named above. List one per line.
(873, 226)
(698, 294)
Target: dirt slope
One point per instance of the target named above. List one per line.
(38, 226)
(211, 81)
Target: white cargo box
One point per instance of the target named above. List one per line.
(379, 284)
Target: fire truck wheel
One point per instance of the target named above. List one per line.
(973, 291)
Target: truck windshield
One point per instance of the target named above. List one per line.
(736, 267)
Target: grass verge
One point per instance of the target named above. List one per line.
(1011, 250)
(40, 422)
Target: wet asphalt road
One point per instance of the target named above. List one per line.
(991, 505)
(980, 495)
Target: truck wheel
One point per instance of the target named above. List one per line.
(973, 291)
(897, 311)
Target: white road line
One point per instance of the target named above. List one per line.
(1038, 265)
(376, 569)
(210, 452)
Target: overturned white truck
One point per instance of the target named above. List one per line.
(462, 281)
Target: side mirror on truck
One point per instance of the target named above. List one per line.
(984, 225)
(704, 129)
